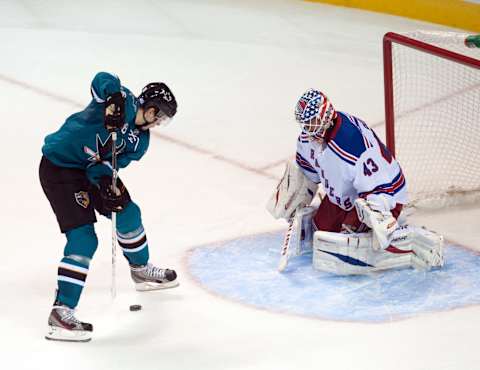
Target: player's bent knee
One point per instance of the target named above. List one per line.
(81, 241)
(130, 218)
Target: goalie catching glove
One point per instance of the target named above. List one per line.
(375, 213)
(294, 191)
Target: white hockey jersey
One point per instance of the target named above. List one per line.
(352, 163)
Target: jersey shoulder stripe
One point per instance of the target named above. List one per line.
(303, 163)
(391, 188)
(343, 155)
(358, 123)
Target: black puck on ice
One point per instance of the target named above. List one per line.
(135, 307)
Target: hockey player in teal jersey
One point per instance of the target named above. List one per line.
(76, 176)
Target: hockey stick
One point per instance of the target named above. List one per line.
(286, 245)
(113, 290)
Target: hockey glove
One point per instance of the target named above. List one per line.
(114, 111)
(377, 216)
(113, 201)
(294, 191)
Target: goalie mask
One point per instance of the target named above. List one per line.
(315, 113)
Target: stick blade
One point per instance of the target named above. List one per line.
(283, 264)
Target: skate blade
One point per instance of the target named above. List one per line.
(64, 335)
(148, 286)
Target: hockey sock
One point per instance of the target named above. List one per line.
(73, 269)
(131, 235)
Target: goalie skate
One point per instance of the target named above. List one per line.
(63, 326)
(149, 277)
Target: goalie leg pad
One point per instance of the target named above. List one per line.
(427, 246)
(353, 254)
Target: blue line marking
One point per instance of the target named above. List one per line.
(245, 270)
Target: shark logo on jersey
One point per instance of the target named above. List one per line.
(82, 198)
(104, 149)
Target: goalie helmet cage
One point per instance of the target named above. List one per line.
(432, 115)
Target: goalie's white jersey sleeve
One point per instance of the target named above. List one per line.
(352, 163)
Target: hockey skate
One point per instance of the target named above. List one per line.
(149, 277)
(63, 326)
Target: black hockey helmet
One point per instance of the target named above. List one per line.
(159, 96)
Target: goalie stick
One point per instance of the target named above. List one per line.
(286, 245)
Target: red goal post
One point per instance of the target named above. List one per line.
(432, 114)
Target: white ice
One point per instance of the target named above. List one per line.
(237, 68)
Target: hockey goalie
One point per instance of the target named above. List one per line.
(357, 227)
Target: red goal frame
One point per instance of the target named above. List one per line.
(390, 38)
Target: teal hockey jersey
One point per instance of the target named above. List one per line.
(83, 141)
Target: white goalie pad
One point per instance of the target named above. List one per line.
(427, 246)
(294, 191)
(354, 254)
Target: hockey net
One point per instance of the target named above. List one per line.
(432, 108)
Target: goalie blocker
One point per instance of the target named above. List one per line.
(293, 192)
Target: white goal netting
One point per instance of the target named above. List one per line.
(437, 120)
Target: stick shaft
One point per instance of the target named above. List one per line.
(286, 245)
(113, 290)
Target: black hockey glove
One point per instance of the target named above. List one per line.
(111, 201)
(114, 111)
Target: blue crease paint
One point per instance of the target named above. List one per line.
(245, 270)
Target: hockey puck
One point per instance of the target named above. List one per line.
(135, 307)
